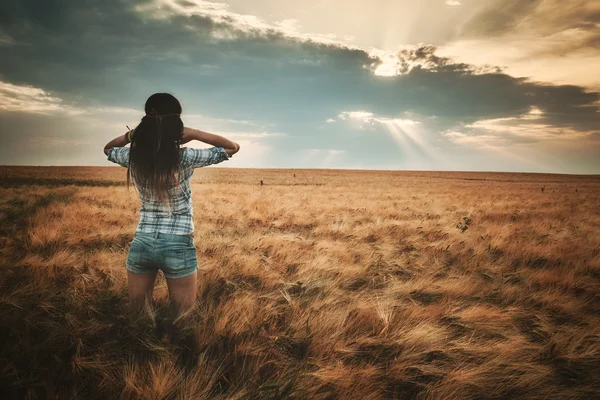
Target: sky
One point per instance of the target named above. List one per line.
(459, 85)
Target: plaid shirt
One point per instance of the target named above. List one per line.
(176, 217)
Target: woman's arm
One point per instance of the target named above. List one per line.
(210, 138)
(119, 141)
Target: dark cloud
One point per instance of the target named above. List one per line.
(567, 106)
(457, 89)
(425, 56)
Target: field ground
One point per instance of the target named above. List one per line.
(321, 284)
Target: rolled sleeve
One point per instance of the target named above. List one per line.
(119, 155)
(197, 158)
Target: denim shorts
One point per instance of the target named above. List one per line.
(175, 255)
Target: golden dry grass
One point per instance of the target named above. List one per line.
(327, 284)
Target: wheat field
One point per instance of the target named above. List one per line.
(319, 284)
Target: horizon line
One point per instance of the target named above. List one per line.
(324, 169)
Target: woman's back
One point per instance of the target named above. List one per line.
(175, 216)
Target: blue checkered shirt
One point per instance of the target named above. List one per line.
(175, 217)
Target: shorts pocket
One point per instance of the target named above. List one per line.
(137, 255)
(179, 262)
(175, 259)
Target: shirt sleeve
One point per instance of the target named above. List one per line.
(197, 158)
(119, 155)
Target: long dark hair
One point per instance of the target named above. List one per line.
(155, 154)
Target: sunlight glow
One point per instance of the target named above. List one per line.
(390, 63)
(410, 138)
(386, 70)
(408, 134)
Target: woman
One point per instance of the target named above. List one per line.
(162, 170)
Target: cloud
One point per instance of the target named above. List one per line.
(409, 58)
(117, 49)
(369, 117)
(506, 132)
(577, 23)
(27, 99)
(360, 115)
(6, 40)
(238, 73)
(550, 40)
(233, 26)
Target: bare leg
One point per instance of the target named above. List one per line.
(140, 290)
(182, 296)
(182, 293)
